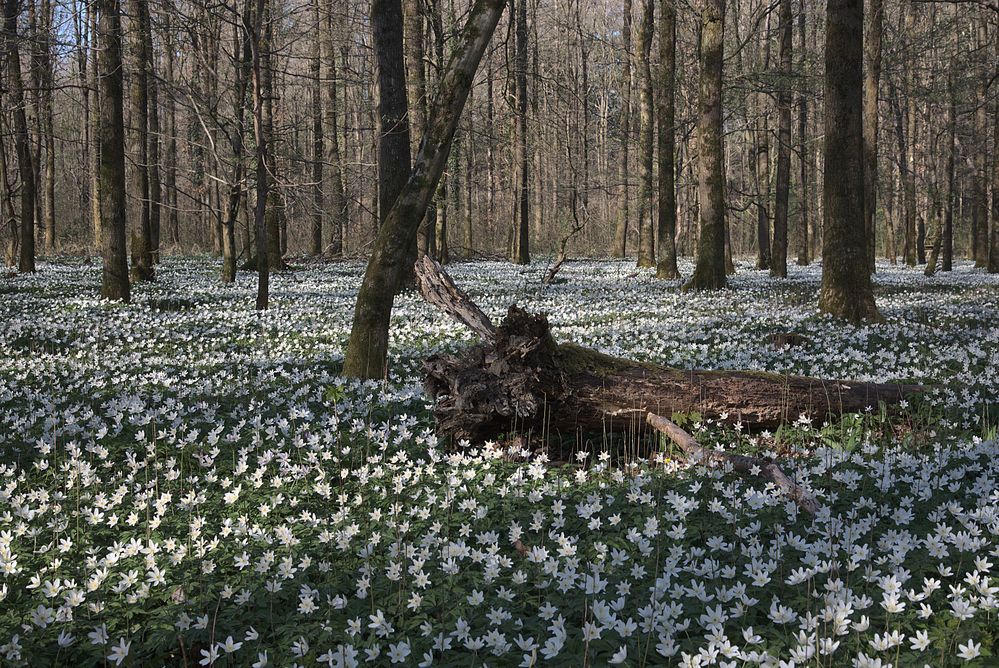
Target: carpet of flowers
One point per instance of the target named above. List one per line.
(185, 481)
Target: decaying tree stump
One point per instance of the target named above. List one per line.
(520, 379)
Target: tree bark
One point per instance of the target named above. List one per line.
(666, 267)
(521, 249)
(393, 124)
(367, 350)
(521, 380)
(846, 282)
(253, 26)
(142, 260)
(646, 130)
(318, 140)
(22, 143)
(804, 244)
(111, 133)
(709, 273)
(339, 203)
(621, 232)
(778, 259)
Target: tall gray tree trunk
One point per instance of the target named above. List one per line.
(111, 134)
(778, 259)
(142, 260)
(709, 272)
(646, 130)
(621, 232)
(521, 247)
(22, 142)
(666, 114)
(846, 282)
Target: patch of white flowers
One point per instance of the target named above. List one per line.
(184, 480)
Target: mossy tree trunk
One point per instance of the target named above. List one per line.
(709, 273)
(367, 349)
(847, 291)
(666, 117)
(111, 141)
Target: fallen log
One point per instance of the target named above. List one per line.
(520, 379)
(764, 468)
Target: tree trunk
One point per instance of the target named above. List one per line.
(521, 249)
(114, 283)
(994, 239)
(778, 260)
(621, 232)
(242, 51)
(393, 124)
(45, 45)
(253, 26)
(846, 282)
(520, 380)
(339, 204)
(666, 267)
(947, 240)
(155, 187)
(367, 350)
(142, 260)
(646, 130)
(22, 143)
(804, 244)
(318, 140)
(872, 79)
(709, 273)
(416, 93)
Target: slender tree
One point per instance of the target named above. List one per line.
(521, 247)
(646, 130)
(142, 260)
(847, 291)
(253, 18)
(872, 81)
(804, 151)
(778, 259)
(111, 134)
(318, 140)
(666, 116)
(709, 272)
(367, 350)
(621, 232)
(22, 144)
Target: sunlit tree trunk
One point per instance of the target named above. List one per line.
(142, 261)
(367, 350)
(709, 272)
(646, 234)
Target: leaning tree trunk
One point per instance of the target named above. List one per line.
(521, 380)
(367, 349)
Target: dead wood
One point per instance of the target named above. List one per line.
(521, 380)
(763, 468)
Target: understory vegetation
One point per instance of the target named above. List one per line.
(185, 480)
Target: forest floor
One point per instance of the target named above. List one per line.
(186, 481)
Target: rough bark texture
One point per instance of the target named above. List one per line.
(778, 259)
(521, 248)
(142, 260)
(846, 281)
(111, 134)
(15, 96)
(621, 232)
(526, 381)
(646, 234)
(666, 115)
(367, 349)
(709, 273)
